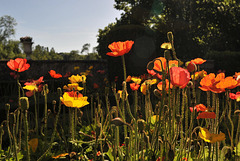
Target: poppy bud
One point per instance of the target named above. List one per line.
(7, 106)
(170, 36)
(191, 67)
(24, 103)
(117, 121)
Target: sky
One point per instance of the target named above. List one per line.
(64, 25)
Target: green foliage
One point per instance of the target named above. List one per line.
(7, 24)
(10, 49)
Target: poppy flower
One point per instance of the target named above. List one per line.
(172, 63)
(53, 74)
(179, 77)
(237, 76)
(19, 64)
(228, 82)
(206, 115)
(199, 74)
(33, 85)
(143, 88)
(198, 61)
(134, 86)
(75, 78)
(74, 99)
(209, 82)
(136, 80)
(235, 96)
(199, 107)
(120, 93)
(166, 45)
(210, 137)
(160, 64)
(120, 48)
(73, 86)
(159, 85)
(191, 67)
(153, 73)
(128, 79)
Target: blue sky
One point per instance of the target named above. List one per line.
(64, 25)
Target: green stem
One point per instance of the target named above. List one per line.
(124, 68)
(36, 114)
(26, 135)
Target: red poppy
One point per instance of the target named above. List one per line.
(234, 96)
(74, 94)
(120, 48)
(151, 72)
(206, 115)
(199, 107)
(179, 77)
(54, 74)
(134, 86)
(198, 61)
(34, 82)
(19, 64)
(191, 67)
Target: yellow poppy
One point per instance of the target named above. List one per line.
(210, 137)
(166, 46)
(31, 87)
(143, 88)
(136, 80)
(72, 86)
(71, 101)
(75, 78)
(76, 68)
(120, 93)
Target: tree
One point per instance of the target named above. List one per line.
(85, 48)
(7, 24)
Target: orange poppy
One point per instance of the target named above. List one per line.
(159, 85)
(172, 63)
(160, 64)
(19, 64)
(120, 48)
(53, 74)
(134, 86)
(209, 82)
(206, 115)
(179, 77)
(228, 82)
(198, 61)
